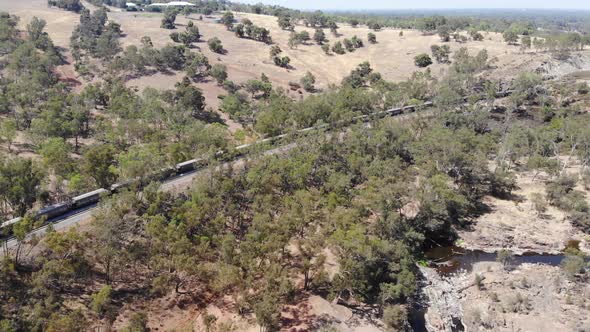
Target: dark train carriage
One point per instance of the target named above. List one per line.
(89, 198)
(54, 210)
(190, 165)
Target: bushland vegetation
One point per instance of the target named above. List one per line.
(374, 197)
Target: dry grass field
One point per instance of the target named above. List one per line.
(392, 56)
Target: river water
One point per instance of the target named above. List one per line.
(448, 260)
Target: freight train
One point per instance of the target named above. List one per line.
(52, 212)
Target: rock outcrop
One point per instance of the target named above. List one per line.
(444, 312)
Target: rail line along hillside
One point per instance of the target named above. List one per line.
(53, 213)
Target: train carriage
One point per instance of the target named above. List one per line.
(190, 165)
(89, 198)
(54, 210)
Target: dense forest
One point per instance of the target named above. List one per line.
(375, 196)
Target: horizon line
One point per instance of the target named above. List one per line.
(439, 8)
(320, 5)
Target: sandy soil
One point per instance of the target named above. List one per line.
(515, 224)
(308, 314)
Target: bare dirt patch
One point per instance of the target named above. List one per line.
(308, 314)
(246, 59)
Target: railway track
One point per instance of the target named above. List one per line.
(63, 215)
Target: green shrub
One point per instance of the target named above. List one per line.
(583, 88)
(101, 301)
(282, 61)
(308, 82)
(581, 220)
(168, 20)
(573, 265)
(215, 45)
(348, 44)
(505, 257)
(422, 60)
(137, 323)
(561, 193)
(219, 73)
(441, 53)
(71, 5)
(338, 48)
(539, 203)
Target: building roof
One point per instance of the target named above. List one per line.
(172, 3)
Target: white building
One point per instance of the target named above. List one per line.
(172, 4)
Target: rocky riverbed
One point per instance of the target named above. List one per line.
(530, 297)
(514, 224)
(469, 291)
